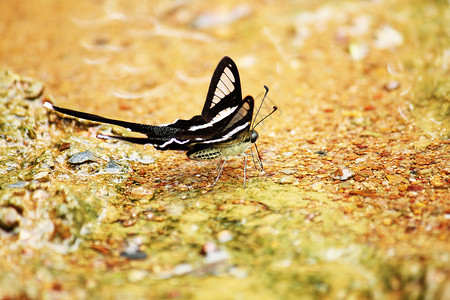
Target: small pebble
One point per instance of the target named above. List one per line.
(137, 275)
(216, 256)
(288, 171)
(42, 176)
(221, 18)
(209, 247)
(387, 222)
(358, 51)
(387, 38)
(287, 154)
(129, 222)
(346, 174)
(213, 254)
(135, 255)
(422, 144)
(391, 85)
(224, 236)
(81, 157)
(9, 218)
(437, 182)
(286, 180)
(113, 167)
(425, 171)
(110, 214)
(146, 159)
(32, 89)
(182, 269)
(321, 153)
(18, 184)
(370, 133)
(141, 192)
(238, 272)
(316, 186)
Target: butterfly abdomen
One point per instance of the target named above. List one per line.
(204, 154)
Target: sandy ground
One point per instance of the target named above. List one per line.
(354, 201)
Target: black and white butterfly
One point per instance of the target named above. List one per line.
(224, 128)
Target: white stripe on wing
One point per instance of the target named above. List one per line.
(171, 141)
(228, 135)
(220, 116)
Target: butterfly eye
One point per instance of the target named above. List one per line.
(254, 136)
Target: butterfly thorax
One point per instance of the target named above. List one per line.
(226, 149)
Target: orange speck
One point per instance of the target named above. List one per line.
(417, 212)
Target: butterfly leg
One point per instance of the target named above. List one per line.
(220, 171)
(254, 161)
(245, 167)
(219, 164)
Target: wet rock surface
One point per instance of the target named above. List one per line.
(81, 157)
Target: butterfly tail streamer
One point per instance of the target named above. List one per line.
(158, 143)
(136, 127)
(135, 140)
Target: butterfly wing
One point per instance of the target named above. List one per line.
(222, 111)
(223, 101)
(224, 90)
(226, 115)
(238, 124)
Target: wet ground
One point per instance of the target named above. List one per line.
(354, 203)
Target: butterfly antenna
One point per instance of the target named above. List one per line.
(257, 151)
(274, 109)
(253, 127)
(262, 102)
(259, 108)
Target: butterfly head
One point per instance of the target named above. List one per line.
(254, 136)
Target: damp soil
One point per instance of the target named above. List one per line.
(354, 200)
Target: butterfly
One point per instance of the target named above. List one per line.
(224, 128)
